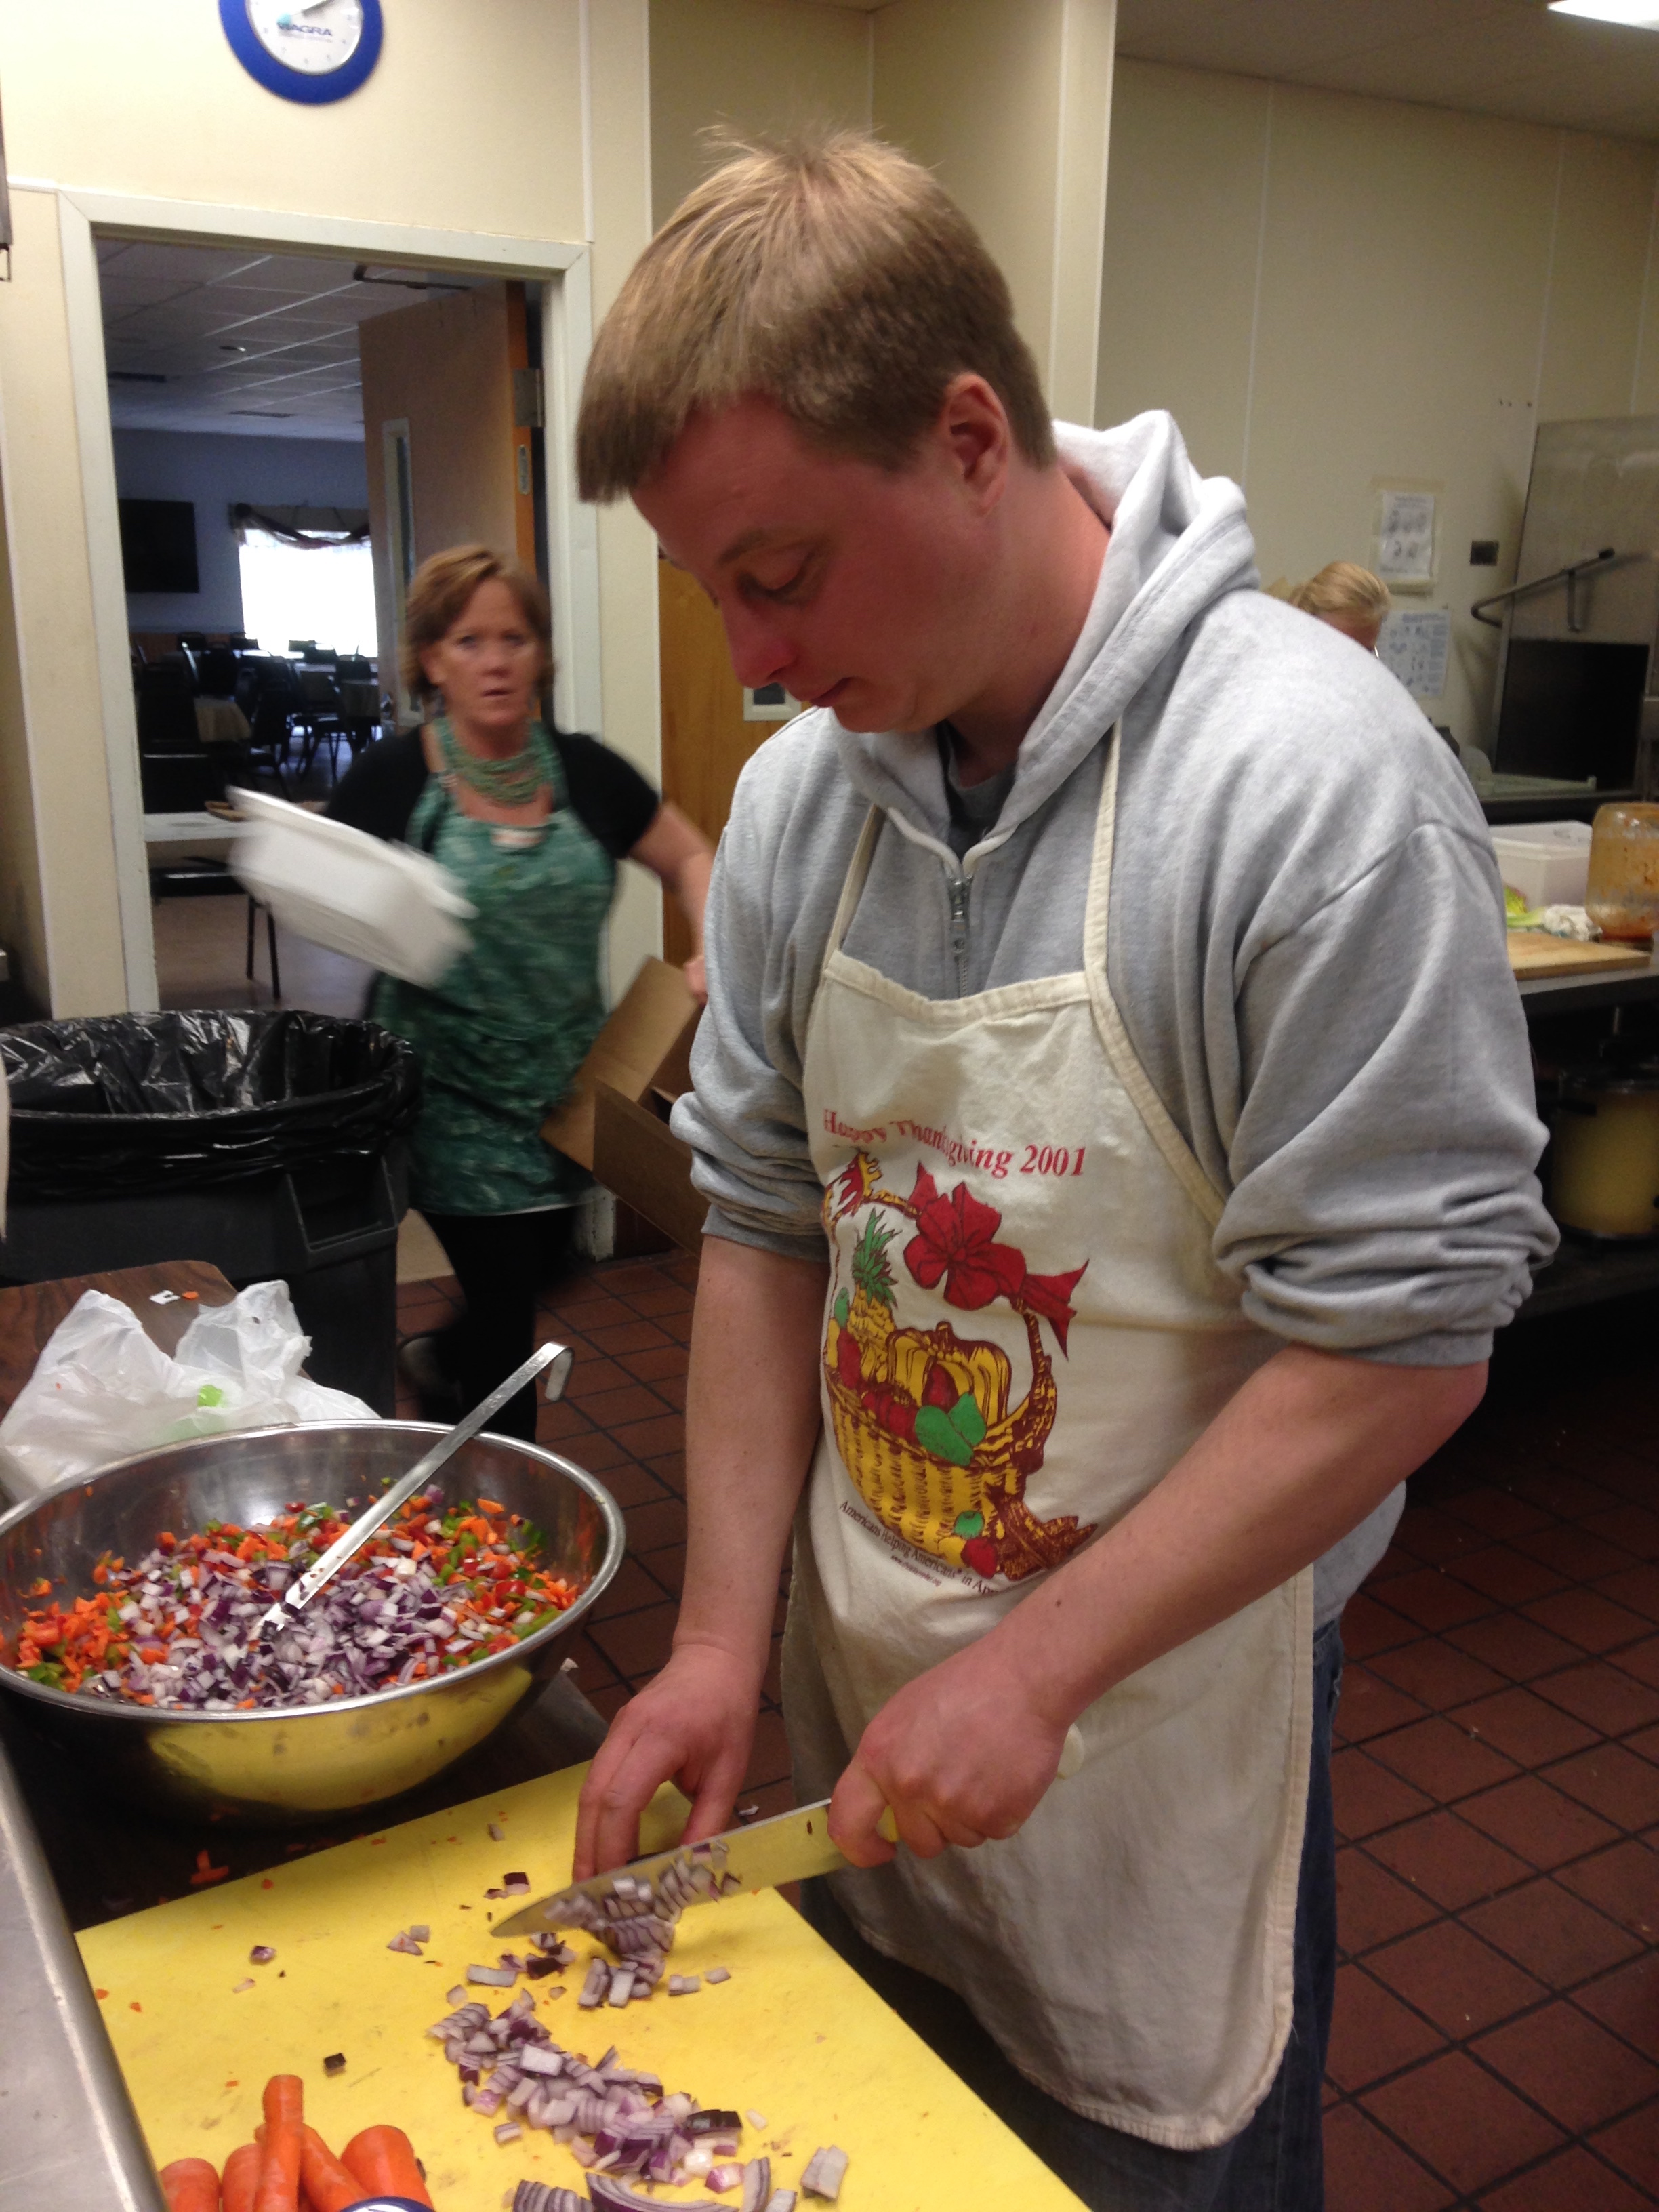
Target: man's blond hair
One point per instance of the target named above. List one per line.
(831, 275)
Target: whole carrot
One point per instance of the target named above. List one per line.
(383, 2160)
(190, 2184)
(241, 2178)
(284, 2135)
(330, 2186)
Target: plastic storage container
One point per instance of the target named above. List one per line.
(1604, 1161)
(266, 1144)
(1547, 862)
(1623, 894)
(398, 910)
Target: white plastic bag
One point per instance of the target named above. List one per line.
(102, 1390)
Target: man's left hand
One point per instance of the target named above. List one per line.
(960, 1755)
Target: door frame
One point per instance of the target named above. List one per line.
(563, 270)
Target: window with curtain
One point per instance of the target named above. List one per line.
(306, 585)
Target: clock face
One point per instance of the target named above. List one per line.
(315, 39)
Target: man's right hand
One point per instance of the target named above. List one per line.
(693, 1723)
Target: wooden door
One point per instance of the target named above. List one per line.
(705, 738)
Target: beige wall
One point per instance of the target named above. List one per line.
(482, 132)
(754, 65)
(51, 730)
(440, 366)
(471, 120)
(1331, 293)
(1009, 101)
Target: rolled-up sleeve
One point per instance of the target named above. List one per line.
(1384, 1201)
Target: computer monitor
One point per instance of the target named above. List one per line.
(1571, 709)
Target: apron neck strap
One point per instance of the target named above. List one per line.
(858, 875)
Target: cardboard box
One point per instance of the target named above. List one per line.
(615, 1121)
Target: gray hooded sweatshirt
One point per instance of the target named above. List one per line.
(1305, 939)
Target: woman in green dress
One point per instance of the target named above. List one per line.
(531, 824)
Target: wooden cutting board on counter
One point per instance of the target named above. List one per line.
(1533, 953)
(794, 2034)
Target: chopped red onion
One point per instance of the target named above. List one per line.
(406, 1943)
(241, 1986)
(419, 1932)
(494, 1977)
(717, 1974)
(756, 2185)
(335, 2063)
(722, 2177)
(824, 2173)
(261, 1954)
(781, 2200)
(508, 2132)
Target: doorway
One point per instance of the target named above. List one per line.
(98, 228)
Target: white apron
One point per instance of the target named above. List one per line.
(1025, 1329)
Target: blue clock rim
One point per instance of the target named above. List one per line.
(296, 84)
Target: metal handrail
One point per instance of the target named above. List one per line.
(1573, 571)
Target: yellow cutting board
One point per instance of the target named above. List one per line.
(795, 2035)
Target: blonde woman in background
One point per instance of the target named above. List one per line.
(1347, 597)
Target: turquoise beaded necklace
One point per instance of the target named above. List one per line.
(513, 781)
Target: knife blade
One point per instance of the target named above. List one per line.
(789, 1847)
(761, 1855)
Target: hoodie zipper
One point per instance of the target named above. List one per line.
(959, 930)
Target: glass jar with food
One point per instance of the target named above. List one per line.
(1622, 896)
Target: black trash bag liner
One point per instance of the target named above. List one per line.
(121, 1104)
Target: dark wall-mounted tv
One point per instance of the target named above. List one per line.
(158, 544)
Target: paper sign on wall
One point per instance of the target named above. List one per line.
(1405, 538)
(1414, 648)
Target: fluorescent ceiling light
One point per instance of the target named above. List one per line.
(1635, 15)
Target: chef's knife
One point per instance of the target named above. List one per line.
(789, 1847)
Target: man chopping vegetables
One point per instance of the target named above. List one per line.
(1114, 1112)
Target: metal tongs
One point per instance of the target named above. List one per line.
(295, 1600)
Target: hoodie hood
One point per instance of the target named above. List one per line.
(1179, 542)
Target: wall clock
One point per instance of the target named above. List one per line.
(307, 50)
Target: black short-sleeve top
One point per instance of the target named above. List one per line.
(608, 794)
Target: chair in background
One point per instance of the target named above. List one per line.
(305, 646)
(270, 734)
(196, 878)
(194, 640)
(267, 693)
(360, 711)
(319, 717)
(240, 641)
(216, 673)
(164, 695)
(180, 783)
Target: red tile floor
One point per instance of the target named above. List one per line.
(1496, 1786)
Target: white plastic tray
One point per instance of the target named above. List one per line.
(398, 909)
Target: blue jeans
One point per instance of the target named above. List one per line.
(1277, 2164)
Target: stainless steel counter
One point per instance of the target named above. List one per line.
(68, 2136)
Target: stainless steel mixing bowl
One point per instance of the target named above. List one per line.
(294, 1763)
